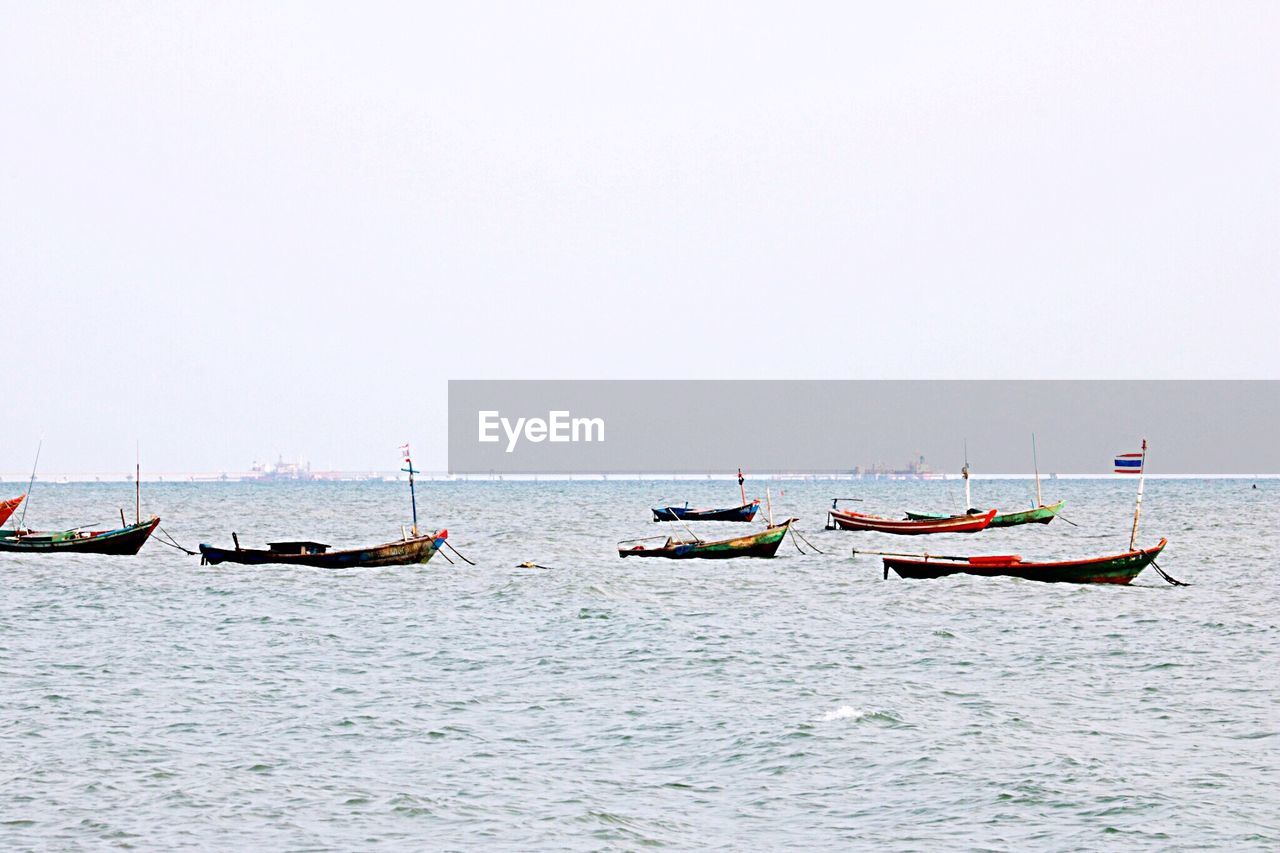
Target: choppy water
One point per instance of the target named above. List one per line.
(801, 701)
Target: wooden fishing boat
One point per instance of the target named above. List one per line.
(762, 544)
(7, 507)
(411, 549)
(746, 512)
(1037, 515)
(1117, 569)
(839, 519)
(1040, 514)
(125, 540)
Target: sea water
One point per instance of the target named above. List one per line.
(803, 701)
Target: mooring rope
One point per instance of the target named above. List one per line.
(794, 542)
(459, 553)
(173, 543)
(807, 542)
(1171, 580)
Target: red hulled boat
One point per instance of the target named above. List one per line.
(839, 519)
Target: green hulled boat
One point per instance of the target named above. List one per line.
(762, 544)
(1117, 569)
(1037, 515)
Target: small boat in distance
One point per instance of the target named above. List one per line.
(1036, 515)
(1039, 514)
(411, 549)
(126, 541)
(839, 519)
(745, 512)
(1117, 569)
(762, 544)
(7, 507)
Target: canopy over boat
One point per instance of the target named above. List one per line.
(1117, 569)
(127, 540)
(7, 507)
(839, 519)
(762, 544)
(411, 549)
(746, 512)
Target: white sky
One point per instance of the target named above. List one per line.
(231, 230)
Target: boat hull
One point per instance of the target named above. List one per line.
(402, 553)
(1116, 569)
(1037, 515)
(843, 520)
(763, 544)
(124, 541)
(746, 512)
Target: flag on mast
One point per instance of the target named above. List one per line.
(1129, 463)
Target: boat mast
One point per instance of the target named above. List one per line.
(1137, 507)
(27, 497)
(413, 495)
(964, 472)
(741, 488)
(1036, 461)
(137, 485)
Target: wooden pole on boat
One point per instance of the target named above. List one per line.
(1035, 460)
(137, 485)
(769, 504)
(742, 488)
(1137, 507)
(964, 472)
(413, 495)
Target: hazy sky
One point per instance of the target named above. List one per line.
(231, 230)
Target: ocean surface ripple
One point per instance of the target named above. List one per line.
(604, 703)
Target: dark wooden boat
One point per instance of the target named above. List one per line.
(746, 512)
(762, 544)
(1035, 515)
(1118, 569)
(839, 519)
(125, 540)
(7, 507)
(411, 549)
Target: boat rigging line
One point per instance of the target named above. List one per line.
(27, 502)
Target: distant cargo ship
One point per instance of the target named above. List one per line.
(916, 470)
(300, 472)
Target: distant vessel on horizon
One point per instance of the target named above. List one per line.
(300, 472)
(917, 470)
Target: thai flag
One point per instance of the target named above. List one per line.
(1129, 463)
